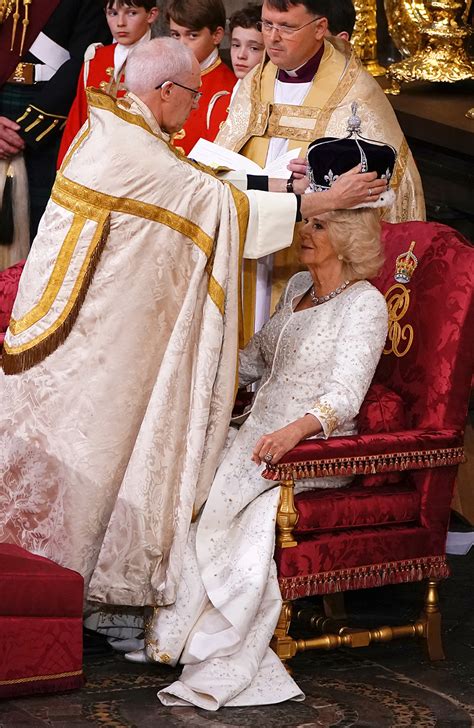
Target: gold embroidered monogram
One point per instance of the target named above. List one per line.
(398, 301)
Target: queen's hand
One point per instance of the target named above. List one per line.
(271, 448)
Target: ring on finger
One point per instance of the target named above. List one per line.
(268, 457)
(370, 192)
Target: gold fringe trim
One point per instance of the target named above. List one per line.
(366, 464)
(55, 281)
(364, 577)
(57, 676)
(16, 361)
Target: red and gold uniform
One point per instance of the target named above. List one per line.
(217, 82)
(101, 68)
(97, 71)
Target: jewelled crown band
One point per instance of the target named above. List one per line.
(329, 157)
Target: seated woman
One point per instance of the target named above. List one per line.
(314, 361)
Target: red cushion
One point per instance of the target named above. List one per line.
(40, 655)
(34, 586)
(382, 411)
(356, 507)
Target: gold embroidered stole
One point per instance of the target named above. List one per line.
(300, 125)
(42, 326)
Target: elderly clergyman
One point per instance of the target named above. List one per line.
(120, 359)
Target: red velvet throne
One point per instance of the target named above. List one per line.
(389, 526)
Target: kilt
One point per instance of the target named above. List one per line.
(40, 160)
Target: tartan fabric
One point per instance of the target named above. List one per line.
(40, 162)
(14, 98)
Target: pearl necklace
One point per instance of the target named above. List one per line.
(317, 300)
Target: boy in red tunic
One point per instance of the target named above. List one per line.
(200, 25)
(129, 22)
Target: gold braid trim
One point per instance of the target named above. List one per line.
(73, 148)
(352, 70)
(364, 577)
(102, 100)
(242, 206)
(256, 108)
(400, 165)
(212, 67)
(55, 282)
(365, 464)
(76, 197)
(34, 678)
(40, 112)
(6, 6)
(19, 359)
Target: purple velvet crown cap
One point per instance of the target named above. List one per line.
(330, 157)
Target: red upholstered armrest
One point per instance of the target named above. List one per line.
(374, 453)
(9, 280)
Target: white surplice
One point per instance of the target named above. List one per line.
(285, 93)
(110, 433)
(320, 361)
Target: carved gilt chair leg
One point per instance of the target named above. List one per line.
(431, 616)
(282, 643)
(287, 515)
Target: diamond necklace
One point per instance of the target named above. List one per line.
(322, 299)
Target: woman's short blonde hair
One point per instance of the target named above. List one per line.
(355, 234)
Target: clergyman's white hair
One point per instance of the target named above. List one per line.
(159, 60)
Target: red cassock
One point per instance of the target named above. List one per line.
(101, 72)
(217, 84)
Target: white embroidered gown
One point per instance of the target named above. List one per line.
(319, 360)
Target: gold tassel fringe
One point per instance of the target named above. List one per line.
(17, 363)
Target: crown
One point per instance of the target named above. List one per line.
(405, 265)
(330, 157)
